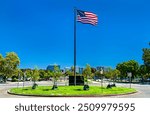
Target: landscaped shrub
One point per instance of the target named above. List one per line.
(34, 86)
(14, 80)
(54, 87)
(86, 87)
(111, 85)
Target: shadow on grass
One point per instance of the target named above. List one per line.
(46, 89)
(78, 90)
(25, 89)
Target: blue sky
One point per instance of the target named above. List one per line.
(41, 31)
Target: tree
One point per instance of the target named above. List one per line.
(17, 74)
(48, 74)
(28, 73)
(99, 74)
(116, 73)
(68, 73)
(109, 73)
(56, 74)
(43, 74)
(35, 77)
(112, 74)
(146, 57)
(93, 70)
(87, 73)
(1, 64)
(9, 64)
(142, 70)
(129, 66)
(2, 68)
(122, 68)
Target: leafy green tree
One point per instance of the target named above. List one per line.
(116, 74)
(42, 74)
(28, 73)
(35, 77)
(146, 76)
(129, 66)
(122, 68)
(109, 73)
(17, 74)
(49, 74)
(45, 74)
(145, 69)
(1, 65)
(93, 70)
(87, 73)
(142, 70)
(69, 73)
(112, 74)
(56, 74)
(9, 64)
(146, 57)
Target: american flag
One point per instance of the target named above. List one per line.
(87, 17)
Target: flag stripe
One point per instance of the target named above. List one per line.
(95, 19)
(87, 17)
(79, 18)
(87, 21)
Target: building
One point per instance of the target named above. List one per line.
(67, 69)
(80, 70)
(100, 68)
(51, 67)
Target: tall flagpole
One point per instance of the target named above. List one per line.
(75, 13)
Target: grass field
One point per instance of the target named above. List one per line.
(71, 91)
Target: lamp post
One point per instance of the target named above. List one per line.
(129, 75)
(101, 73)
(24, 78)
(18, 79)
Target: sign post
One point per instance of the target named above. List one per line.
(129, 75)
(101, 73)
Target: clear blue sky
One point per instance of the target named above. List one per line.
(41, 31)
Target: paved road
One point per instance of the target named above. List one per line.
(5, 87)
(143, 90)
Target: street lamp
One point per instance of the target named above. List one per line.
(18, 79)
(101, 73)
(129, 75)
(24, 76)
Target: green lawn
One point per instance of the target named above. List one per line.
(72, 91)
